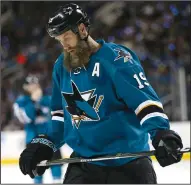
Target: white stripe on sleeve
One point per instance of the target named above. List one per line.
(154, 114)
(58, 118)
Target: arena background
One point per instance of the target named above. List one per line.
(159, 33)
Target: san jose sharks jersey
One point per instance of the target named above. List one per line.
(34, 115)
(106, 107)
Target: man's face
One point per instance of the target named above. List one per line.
(30, 88)
(68, 40)
(76, 51)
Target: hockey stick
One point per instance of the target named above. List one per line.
(106, 157)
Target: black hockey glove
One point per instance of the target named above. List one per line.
(166, 143)
(39, 149)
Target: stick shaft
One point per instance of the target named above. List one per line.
(106, 157)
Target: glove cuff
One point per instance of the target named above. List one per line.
(42, 139)
(166, 135)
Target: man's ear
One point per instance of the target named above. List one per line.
(82, 29)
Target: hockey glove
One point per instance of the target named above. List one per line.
(39, 149)
(166, 143)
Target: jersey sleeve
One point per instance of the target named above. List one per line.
(134, 89)
(56, 129)
(24, 111)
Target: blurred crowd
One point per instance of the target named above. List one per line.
(159, 33)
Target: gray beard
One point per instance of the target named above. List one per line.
(79, 58)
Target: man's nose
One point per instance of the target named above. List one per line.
(65, 45)
(65, 48)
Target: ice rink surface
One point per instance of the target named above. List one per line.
(174, 174)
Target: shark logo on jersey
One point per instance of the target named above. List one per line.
(81, 105)
(122, 54)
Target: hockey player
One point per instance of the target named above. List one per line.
(102, 104)
(33, 110)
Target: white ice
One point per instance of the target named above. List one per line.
(176, 173)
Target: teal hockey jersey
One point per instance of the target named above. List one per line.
(106, 107)
(35, 116)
